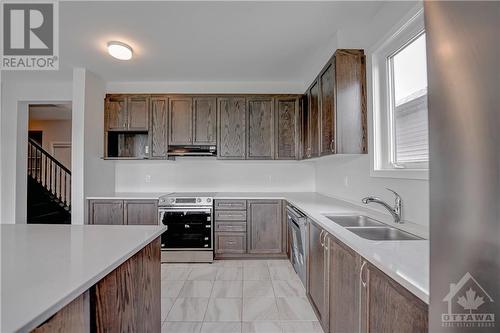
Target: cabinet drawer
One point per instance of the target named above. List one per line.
(231, 204)
(230, 215)
(228, 242)
(231, 226)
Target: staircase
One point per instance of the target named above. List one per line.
(49, 188)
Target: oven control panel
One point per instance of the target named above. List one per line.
(185, 201)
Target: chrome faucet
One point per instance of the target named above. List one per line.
(395, 211)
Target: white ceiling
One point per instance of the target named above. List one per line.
(204, 41)
(186, 41)
(50, 111)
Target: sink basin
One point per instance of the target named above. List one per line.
(382, 233)
(354, 221)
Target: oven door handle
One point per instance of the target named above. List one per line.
(161, 214)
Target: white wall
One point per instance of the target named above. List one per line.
(16, 95)
(348, 177)
(52, 131)
(91, 174)
(191, 174)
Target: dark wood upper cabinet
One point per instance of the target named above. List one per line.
(265, 227)
(287, 128)
(116, 112)
(159, 127)
(180, 121)
(344, 289)
(204, 121)
(231, 124)
(388, 307)
(141, 212)
(318, 273)
(327, 114)
(334, 117)
(138, 113)
(260, 129)
(350, 87)
(312, 122)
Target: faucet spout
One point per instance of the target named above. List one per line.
(395, 211)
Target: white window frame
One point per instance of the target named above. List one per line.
(382, 125)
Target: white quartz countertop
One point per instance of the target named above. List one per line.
(407, 262)
(45, 267)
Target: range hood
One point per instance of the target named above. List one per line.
(192, 150)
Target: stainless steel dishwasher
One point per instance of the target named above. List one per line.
(297, 222)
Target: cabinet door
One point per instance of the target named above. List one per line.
(304, 140)
(350, 82)
(180, 121)
(116, 112)
(106, 212)
(159, 127)
(344, 288)
(231, 126)
(327, 114)
(141, 212)
(286, 128)
(313, 121)
(230, 242)
(390, 307)
(265, 226)
(260, 129)
(204, 121)
(138, 113)
(317, 281)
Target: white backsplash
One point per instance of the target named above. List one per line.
(348, 177)
(209, 174)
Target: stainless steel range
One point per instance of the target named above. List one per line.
(189, 221)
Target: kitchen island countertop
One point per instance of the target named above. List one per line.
(44, 267)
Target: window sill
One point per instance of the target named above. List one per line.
(401, 173)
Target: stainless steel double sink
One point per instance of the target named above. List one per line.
(369, 228)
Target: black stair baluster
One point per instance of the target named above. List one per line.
(60, 184)
(45, 173)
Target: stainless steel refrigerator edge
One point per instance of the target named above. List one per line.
(463, 54)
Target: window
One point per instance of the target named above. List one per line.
(399, 94)
(408, 105)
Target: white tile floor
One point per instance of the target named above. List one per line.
(233, 296)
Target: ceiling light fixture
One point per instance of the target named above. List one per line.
(120, 50)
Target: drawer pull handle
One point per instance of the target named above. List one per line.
(231, 243)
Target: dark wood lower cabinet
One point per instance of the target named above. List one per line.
(131, 212)
(344, 288)
(388, 307)
(141, 212)
(126, 300)
(250, 229)
(74, 318)
(318, 274)
(361, 298)
(106, 212)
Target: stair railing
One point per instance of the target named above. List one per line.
(50, 173)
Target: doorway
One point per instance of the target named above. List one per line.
(49, 164)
